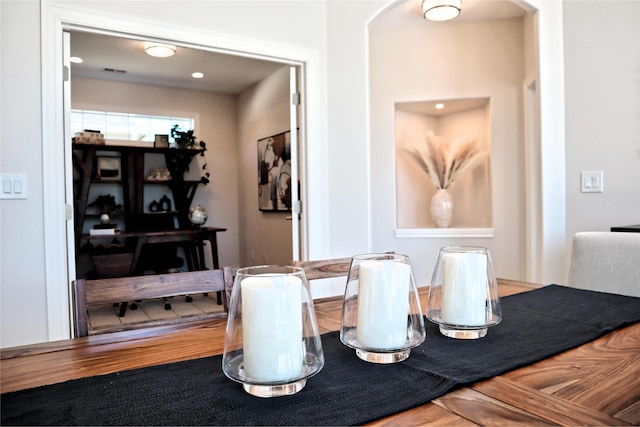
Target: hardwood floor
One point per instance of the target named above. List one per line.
(104, 318)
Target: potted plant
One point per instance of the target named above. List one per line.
(187, 140)
(444, 161)
(184, 139)
(108, 208)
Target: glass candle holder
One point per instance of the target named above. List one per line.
(272, 345)
(463, 297)
(381, 316)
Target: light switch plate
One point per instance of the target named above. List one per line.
(14, 186)
(592, 182)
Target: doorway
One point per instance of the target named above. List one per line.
(116, 77)
(58, 190)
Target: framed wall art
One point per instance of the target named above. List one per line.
(274, 172)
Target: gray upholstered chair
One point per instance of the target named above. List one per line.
(606, 261)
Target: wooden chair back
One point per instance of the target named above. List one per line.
(325, 268)
(87, 293)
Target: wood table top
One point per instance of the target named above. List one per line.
(597, 383)
(181, 233)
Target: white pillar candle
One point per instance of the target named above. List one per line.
(383, 304)
(272, 327)
(464, 289)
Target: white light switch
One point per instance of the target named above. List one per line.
(592, 182)
(14, 186)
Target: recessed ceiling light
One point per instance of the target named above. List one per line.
(76, 60)
(197, 75)
(159, 50)
(439, 106)
(441, 10)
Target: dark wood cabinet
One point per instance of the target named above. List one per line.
(125, 168)
(132, 178)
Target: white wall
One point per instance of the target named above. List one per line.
(337, 31)
(263, 111)
(348, 127)
(23, 315)
(602, 64)
(482, 59)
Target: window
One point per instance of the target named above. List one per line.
(127, 127)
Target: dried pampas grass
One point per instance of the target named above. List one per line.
(445, 161)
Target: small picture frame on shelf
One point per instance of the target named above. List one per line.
(162, 141)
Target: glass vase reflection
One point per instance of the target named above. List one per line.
(381, 316)
(463, 296)
(272, 345)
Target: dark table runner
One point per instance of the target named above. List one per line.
(536, 325)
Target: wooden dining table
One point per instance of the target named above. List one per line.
(597, 383)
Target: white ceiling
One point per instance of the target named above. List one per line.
(226, 73)
(450, 106)
(223, 73)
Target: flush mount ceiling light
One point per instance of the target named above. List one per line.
(197, 75)
(159, 50)
(441, 10)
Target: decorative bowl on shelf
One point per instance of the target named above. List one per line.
(198, 215)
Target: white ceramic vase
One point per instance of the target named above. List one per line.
(442, 208)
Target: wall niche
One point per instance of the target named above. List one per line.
(448, 120)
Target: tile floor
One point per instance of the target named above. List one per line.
(106, 316)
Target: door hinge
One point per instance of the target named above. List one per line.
(295, 98)
(65, 73)
(297, 207)
(68, 212)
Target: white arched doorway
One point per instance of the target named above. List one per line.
(540, 138)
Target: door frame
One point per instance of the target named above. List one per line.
(58, 187)
(533, 190)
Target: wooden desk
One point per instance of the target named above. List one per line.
(193, 238)
(597, 383)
